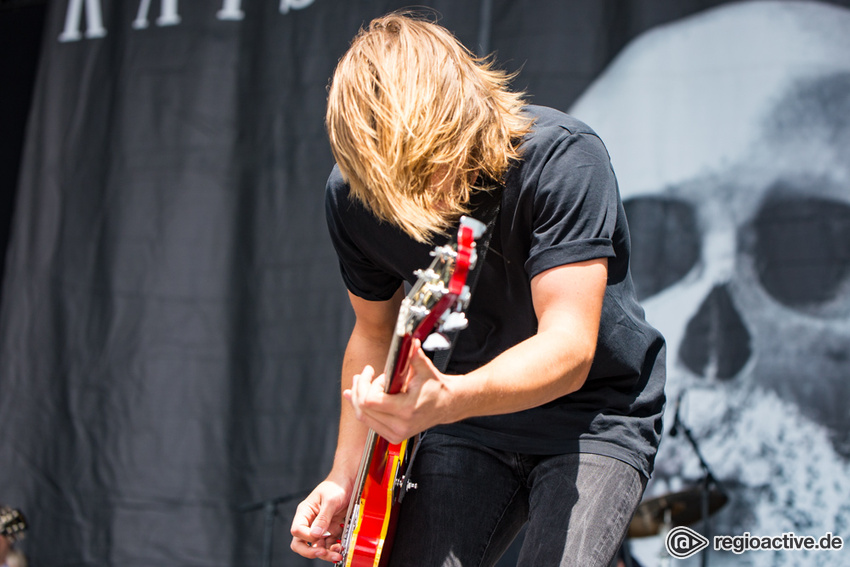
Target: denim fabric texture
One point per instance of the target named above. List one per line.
(471, 501)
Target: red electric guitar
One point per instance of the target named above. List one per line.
(435, 303)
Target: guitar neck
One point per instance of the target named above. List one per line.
(395, 368)
(398, 345)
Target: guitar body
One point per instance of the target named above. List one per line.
(435, 302)
(378, 512)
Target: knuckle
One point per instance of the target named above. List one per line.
(398, 435)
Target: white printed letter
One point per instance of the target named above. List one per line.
(168, 15)
(231, 10)
(287, 5)
(94, 19)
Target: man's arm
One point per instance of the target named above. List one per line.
(552, 363)
(322, 511)
(368, 346)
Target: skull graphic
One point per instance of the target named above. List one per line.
(730, 134)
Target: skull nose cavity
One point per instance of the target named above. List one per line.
(717, 343)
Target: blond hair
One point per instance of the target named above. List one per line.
(410, 108)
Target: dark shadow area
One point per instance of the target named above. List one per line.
(21, 25)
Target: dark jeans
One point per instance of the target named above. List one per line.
(471, 501)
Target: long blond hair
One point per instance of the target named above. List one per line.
(409, 108)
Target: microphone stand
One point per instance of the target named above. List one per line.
(269, 507)
(708, 478)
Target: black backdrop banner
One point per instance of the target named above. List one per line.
(173, 320)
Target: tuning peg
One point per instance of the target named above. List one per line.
(436, 341)
(465, 296)
(454, 321)
(477, 226)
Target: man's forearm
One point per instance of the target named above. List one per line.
(554, 362)
(364, 348)
(352, 433)
(528, 375)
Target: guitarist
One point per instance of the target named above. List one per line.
(549, 412)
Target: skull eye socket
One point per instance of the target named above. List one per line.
(802, 249)
(665, 242)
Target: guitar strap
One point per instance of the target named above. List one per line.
(486, 212)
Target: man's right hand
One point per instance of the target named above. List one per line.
(316, 526)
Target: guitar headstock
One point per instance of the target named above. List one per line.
(437, 299)
(12, 523)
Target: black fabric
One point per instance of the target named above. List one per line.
(560, 204)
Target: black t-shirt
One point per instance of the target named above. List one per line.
(560, 204)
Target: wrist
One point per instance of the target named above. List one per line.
(460, 398)
(344, 471)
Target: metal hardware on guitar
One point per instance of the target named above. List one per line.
(13, 524)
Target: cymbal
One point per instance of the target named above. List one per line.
(685, 509)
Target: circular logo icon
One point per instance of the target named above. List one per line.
(683, 542)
